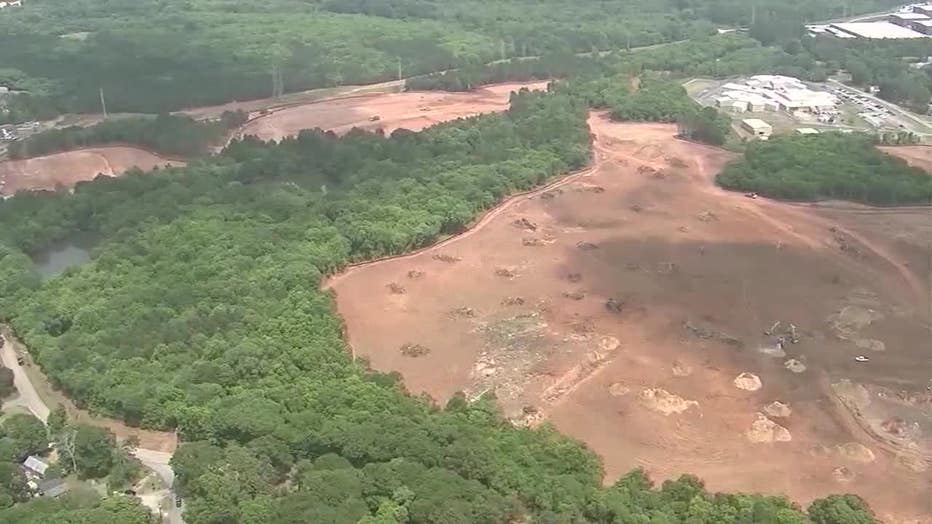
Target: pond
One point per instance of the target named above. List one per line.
(56, 259)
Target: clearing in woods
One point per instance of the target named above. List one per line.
(635, 306)
(68, 168)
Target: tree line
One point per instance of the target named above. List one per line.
(827, 166)
(200, 311)
(165, 134)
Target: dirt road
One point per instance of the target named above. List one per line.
(155, 460)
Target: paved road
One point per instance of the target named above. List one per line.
(922, 126)
(157, 461)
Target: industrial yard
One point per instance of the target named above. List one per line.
(791, 105)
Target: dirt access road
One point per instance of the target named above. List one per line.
(161, 502)
(629, 305)
(68, 168)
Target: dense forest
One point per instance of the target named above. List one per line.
(154, 56)
(827, 166)
(200, 310)
(165, 134)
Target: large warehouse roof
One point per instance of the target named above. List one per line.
(877, 30)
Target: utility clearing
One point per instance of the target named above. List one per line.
(678, 327)
(383, 112)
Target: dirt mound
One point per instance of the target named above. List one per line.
(609, 344)
(618, 389)
(763, 430)
(662, 401)
(843, 475)
(681, 370)
(748, 382)
(794, 365)
(778, 409)
(912, 462)
(856, 452)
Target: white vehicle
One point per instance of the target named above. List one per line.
(861, 358)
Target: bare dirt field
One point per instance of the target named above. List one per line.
(68, 168)
(635, 306)
(919, 156)
(385, 111)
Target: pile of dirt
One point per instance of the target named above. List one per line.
(850, 320)
(574, 295)
(609, 344)
(778, 409)
(618, 389)
(707, 216)
(795, 365)
(748, 382)
(587, 246)
(843, 475)
(764, 430)
(681, 370)
(856, 452)
(662, 401)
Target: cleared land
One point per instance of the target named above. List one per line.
(629, 307)
(919, 156)
(68, 168)
(385, 111)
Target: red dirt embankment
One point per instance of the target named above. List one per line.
(68, 168)
(627, 305)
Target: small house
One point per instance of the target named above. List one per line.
(35, 466)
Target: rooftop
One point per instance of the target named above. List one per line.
(877, 30)
(909, 16)
(756, 123)
(35, 464)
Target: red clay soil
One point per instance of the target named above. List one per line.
(68, 168)
(622, 305)
(919, 156)
(386, 112)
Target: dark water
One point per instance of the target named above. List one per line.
(55, 260)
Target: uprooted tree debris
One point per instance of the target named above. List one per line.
(396, 289)
(414, 350)
(446, 258)
(512, 301)
(523, 223)
(708, 333)
(415, 274)
(614, 305)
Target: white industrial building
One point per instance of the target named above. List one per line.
(774, 92)
(760, 129)
(807, 131)
(874, 30)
